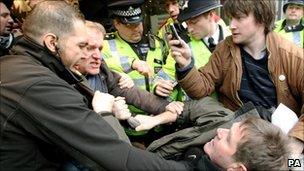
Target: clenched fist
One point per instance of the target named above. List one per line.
(102, 102)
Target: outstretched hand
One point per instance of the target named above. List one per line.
(146, 122)
(149, 122)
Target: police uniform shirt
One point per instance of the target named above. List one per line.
(215, 37)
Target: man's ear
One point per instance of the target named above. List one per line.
(237, 167)
(115, 22)
(50, 41)
(76, 66)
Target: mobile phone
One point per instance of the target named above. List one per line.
(174, 33)
(133, 122)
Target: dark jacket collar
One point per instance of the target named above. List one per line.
(206, 164)
(28, 47)
(294, 28)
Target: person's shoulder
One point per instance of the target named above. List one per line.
(110, 40)
(279, 22)
(110, 36)
(165, 23)
(227, 43)
(278, 44)
(114, 37)
(226, 50)
(19, 61)
(274, 40)
(279, 25)
(26, 70)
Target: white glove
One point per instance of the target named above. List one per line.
(102, 102)
(120, 109)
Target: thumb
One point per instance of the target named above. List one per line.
(140, 128)
(97, 92)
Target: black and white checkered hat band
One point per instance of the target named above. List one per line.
(130, 12)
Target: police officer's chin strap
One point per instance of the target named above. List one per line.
(6, 41)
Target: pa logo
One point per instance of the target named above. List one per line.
(296, 162)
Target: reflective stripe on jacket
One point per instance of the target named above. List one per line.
(119, 56)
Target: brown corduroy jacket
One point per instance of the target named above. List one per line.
(224, 72)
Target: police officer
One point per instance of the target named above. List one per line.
(201, 23)
(131, 52)
(292, 26)
(173, 8)
(205, 32)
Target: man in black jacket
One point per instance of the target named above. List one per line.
(44, 120)
(6, 26)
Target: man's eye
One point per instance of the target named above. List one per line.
(82, 46)
(89, 48)
(4, 15)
